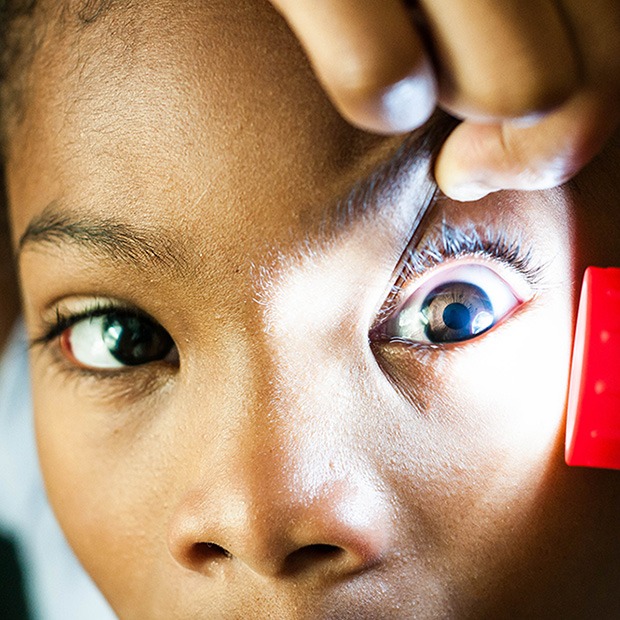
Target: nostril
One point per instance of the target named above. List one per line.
(333, 532)
(206, 552)
(311, 555)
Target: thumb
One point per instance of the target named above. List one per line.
(478, 159)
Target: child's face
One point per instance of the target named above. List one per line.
(275, 462)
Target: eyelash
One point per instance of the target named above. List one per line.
(449, 242)
(63, 321)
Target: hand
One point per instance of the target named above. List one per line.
(536, 83)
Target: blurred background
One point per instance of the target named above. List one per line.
(12, 600)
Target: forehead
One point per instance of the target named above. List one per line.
(155, 109)
(207, 119)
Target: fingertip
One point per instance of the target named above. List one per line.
(456, 169)
(466, 191)
(409, 103)
(477, 160)
(400, 107)
(469, 184)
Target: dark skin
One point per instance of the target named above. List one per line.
(283, 464)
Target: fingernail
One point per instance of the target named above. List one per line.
(469, 191)
(408, 103)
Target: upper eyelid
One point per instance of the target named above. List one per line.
(447, 241)
(64, 320)
(128, 384)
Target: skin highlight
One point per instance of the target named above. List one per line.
(287, 467)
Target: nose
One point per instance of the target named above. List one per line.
(278, 529)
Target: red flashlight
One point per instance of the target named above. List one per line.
(593, 421)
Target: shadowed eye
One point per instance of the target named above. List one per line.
(116, 339)
(457, 303)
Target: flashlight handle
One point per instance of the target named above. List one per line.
(593, 420)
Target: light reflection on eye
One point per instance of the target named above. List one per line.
(456, 304)
(115, 340)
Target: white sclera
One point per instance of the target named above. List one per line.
(88, 344)
(408, 322)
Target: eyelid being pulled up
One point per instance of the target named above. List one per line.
(448, 242)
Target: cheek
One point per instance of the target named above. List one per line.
(512, 388)
(476, 462)
(107, 484)
(497, 402)
(510, 399)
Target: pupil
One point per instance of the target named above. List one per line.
(134, 341)
(456, 311)
(456, 316)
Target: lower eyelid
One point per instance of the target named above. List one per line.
(126, 384)
(431, 351)
(122, 386)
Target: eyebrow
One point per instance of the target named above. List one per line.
(160, 247)
(105, 237)
(412, 161)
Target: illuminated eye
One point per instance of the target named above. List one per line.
(115, 340)
(456, 304)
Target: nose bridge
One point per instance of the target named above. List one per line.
(285, 492)
(298, 456)
(288, 389)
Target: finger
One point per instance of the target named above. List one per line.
(369, 59)
(595, 26)
(500, 60)
(479, 159)
(476, 159)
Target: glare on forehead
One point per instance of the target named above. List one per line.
(324, 294)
